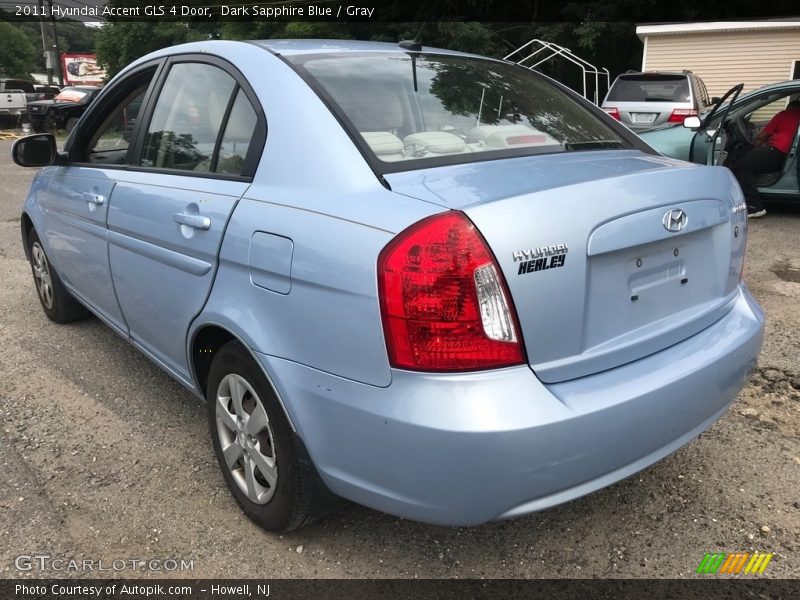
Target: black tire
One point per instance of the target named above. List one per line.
(59, 305)
(288, 506)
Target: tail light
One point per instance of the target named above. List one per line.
(444, 302)
(613, 112)
(679, 114)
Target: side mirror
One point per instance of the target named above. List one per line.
(37, 150)
(692, 122)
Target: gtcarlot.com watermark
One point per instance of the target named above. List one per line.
(47, 562)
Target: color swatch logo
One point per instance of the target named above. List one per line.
(735, 562)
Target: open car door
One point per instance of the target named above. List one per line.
(704, 148)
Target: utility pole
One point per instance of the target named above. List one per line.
(55, 45)
(48, 56)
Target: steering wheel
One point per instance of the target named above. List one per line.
(744, 131)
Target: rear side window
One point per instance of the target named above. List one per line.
(650, 88)
(202, 122)
(237, 136)
(413, 111)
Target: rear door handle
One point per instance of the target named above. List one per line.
(191, 220)
(96, 199)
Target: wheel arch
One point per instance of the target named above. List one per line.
(26, 225)
(205, 341)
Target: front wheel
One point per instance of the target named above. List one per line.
(57, 303)
(254, 443)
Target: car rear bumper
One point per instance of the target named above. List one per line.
(463, 449)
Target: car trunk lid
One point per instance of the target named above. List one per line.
(602, 268)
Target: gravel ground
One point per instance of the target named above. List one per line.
(103, 457)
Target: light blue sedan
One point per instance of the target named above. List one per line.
(436, 284)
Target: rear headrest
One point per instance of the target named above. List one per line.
(436, 142)
(383, 143)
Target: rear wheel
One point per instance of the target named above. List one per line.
(254, 443)
(57, 303)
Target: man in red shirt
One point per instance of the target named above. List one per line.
(767, 155)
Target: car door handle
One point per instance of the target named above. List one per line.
(194, 221)
(96, 199)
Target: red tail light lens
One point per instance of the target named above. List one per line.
(444, 301)
(614, 112)
(679, 114)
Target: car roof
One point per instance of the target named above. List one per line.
(294, 47)
(656, 73)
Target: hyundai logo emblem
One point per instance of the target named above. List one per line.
(674, 220)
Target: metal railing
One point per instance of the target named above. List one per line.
(554, 50)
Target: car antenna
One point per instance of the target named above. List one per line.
(413, 46)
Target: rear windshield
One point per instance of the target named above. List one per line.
(433, 109)
(650, 88)
(14, 84)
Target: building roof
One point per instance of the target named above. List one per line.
(716, 26)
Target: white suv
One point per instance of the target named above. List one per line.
(646, 100)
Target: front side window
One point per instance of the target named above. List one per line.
(424, 107)
(109, 145)
(187, 118)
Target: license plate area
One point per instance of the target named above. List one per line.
(638, 117)
(634, 289)
(649, 271)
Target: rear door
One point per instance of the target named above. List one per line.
(196, 156)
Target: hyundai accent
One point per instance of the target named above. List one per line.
(436, 284)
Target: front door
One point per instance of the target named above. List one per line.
(79, 193)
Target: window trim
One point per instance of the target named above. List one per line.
(257, 143)
(224, 126)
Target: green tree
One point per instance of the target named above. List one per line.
(120, 43)
(17, 55)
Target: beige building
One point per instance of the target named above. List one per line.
(723, 54)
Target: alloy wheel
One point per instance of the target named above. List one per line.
(246, 438)
(41, 272)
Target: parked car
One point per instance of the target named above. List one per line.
(46, 92)
(643, 100)
(63, 111)
(436, 284)
(741, 116)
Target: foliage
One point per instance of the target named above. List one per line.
(120, 43)
(17, 55)
(72, 37)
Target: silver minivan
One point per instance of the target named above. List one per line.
(642, 101)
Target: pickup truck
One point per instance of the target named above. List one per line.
(13, 104)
